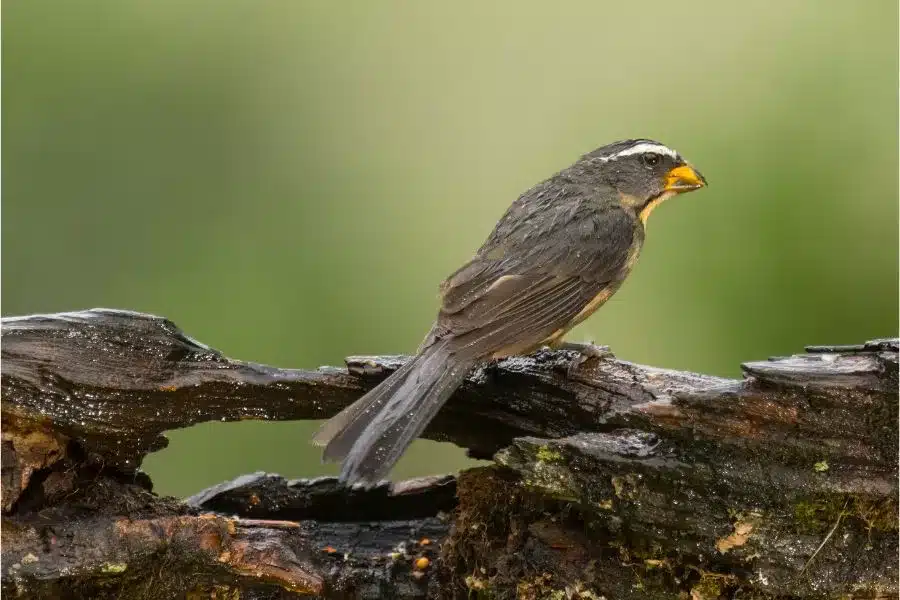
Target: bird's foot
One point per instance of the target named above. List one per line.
(586, 351)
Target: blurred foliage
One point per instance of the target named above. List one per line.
(290, 181)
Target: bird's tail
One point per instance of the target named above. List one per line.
(370, 435)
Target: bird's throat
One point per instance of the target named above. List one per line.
(645, 210)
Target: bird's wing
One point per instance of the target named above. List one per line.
(519, 317)
(516, 298)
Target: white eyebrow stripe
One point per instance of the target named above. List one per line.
(642, 148)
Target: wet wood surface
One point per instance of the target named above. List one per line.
(609, 478)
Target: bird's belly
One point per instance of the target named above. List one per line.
(555, 338)
(599, 300)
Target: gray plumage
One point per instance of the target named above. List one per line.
(560, 250)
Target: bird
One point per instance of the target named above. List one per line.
(558, 253)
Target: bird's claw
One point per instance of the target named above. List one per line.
(586, 351)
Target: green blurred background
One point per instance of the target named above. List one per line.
(290, 181)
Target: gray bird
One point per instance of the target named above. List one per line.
(558, 254)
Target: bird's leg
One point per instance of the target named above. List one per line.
(587, 349)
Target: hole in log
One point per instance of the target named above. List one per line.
(206, 454)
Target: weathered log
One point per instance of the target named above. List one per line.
(118, 540)
(611, 479)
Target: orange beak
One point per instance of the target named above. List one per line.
(684, 179)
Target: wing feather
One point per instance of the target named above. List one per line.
(518, 297)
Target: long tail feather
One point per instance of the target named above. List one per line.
(371, 434)
(339, 433)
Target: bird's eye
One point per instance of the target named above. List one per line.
(651, 159)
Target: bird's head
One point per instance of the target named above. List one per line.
(644, 173)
